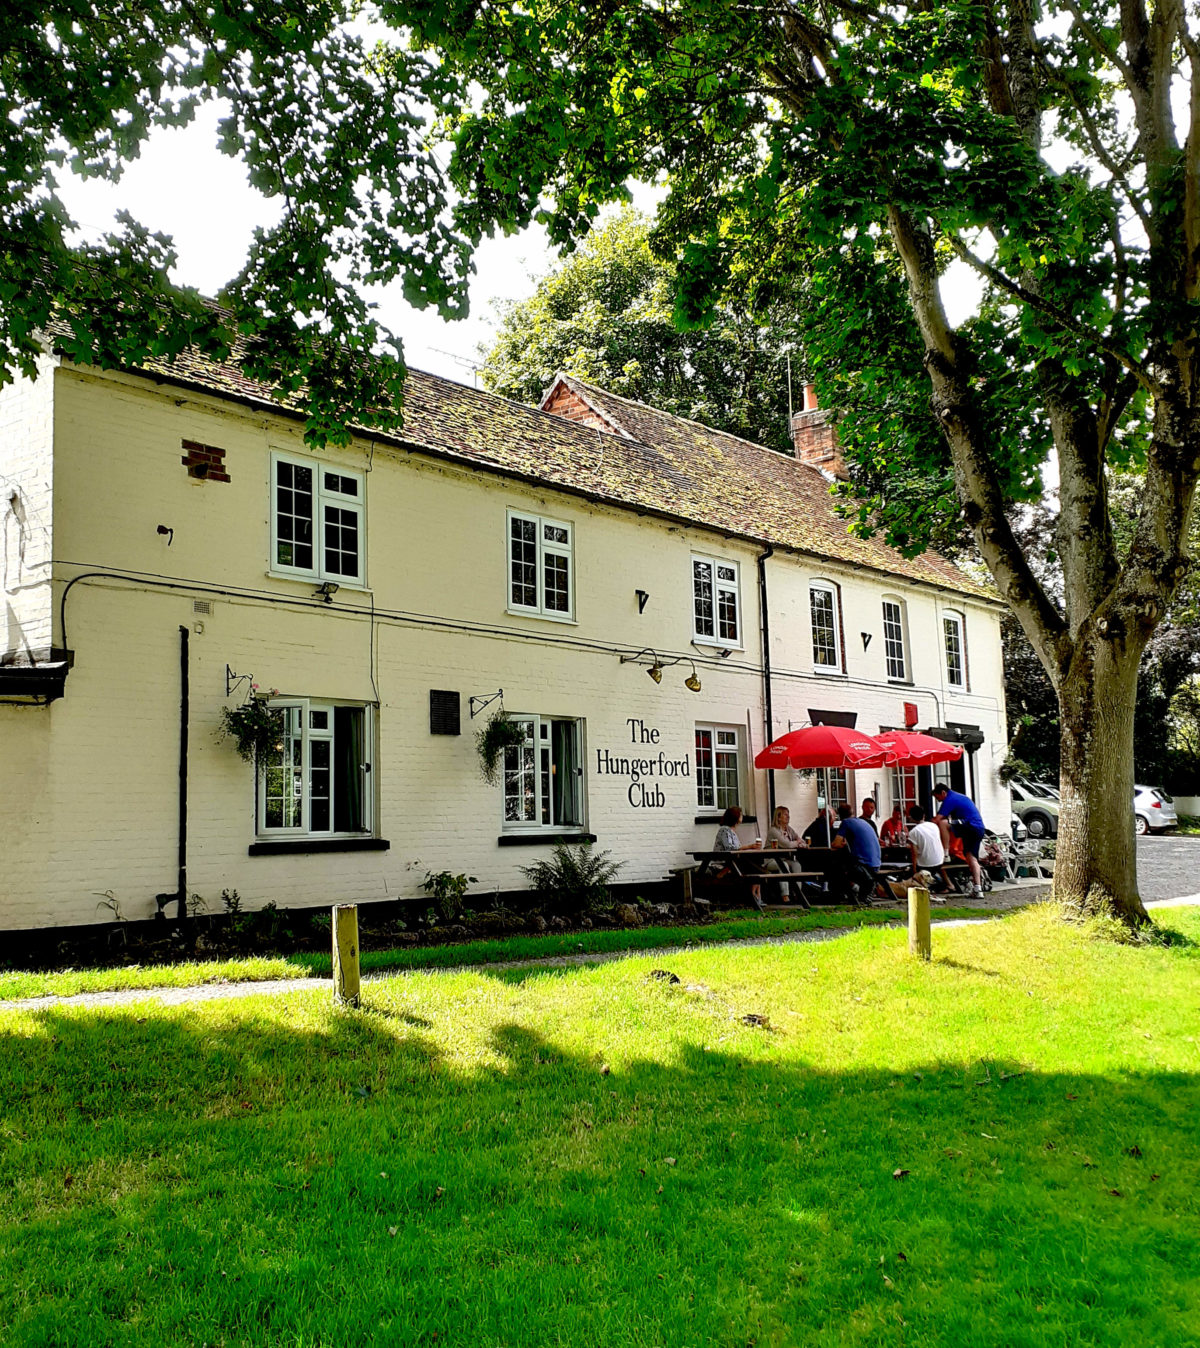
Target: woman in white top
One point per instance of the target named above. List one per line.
(781, 836)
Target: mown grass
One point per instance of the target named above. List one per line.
(16, 984)
(999, 1147)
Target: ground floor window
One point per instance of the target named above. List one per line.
(543, 775)
(904, 788)
(833, 786)
(717, 784)
(314, 780)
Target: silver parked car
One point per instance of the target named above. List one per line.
(1037, 808)
(1153, 810)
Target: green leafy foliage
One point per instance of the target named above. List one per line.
(498, 734)
(255, 727)
(323, 127)
(574, 879)
(448, 892)
(606, 315)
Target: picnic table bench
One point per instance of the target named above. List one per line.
(744, 873)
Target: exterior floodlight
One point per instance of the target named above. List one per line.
(655, 672)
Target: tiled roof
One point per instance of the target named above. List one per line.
(654, 462)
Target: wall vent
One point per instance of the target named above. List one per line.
(445, 712)
(202, 606)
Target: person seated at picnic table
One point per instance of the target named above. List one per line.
(868, 814)
(782, 837)
(727, 840)
(893, 833)
(820, 832)
(926, 847)
(859, 873)
(966, 823)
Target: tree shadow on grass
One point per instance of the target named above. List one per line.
(339, 1179)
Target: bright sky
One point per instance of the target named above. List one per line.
(184, 187)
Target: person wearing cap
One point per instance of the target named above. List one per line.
(960, 813)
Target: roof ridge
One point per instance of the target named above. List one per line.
(691, 421)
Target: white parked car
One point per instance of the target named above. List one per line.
(1153, 810)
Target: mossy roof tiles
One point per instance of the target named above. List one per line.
(652, 462)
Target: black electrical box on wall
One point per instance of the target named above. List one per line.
(445, 712)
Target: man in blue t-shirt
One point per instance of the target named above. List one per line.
(967, 823)
(859, 842)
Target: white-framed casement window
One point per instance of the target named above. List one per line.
(826, 624)
(954, 634)
(315, 781)
(541, 577)
(833, 786)
(716, 608)
(543, 775)
(717, 767)
(904, 788)
(317, 520)
(895, 651)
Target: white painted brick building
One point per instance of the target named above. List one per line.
(149, 535)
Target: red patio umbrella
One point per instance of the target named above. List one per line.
(915, 747)
(825, 746)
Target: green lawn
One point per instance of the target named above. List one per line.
(16, 984)
(1001, 1147)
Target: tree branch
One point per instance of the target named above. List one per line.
(1050, 310)
(974, 466)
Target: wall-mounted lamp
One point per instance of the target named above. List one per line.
(168, 534)
(643, 599)
(326, 590)
(693, 680)
(655, 672)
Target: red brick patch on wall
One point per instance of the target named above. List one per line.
(205, 462)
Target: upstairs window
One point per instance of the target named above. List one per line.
(715, 606)
(314, 780)
(543, 775)
(540, 571)
(893, 640)
(826, 625)
(716, 767)
(956, 649)
(317, 521)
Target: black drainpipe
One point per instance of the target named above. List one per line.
(180, 894)
(766, 668)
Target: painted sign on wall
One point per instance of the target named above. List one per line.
(646, 774)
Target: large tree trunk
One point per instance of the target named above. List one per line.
(1096, 865)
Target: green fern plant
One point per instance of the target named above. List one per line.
(575, 879)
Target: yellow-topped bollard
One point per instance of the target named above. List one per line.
(920, 938)
(345, 954)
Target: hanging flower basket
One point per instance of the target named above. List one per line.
(254, 728)
(499, 734)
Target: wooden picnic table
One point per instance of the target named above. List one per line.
(746, 875)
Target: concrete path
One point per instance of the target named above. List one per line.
(209, 992)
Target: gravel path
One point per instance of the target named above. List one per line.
(211, 992)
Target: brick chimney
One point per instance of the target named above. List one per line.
(815, 440)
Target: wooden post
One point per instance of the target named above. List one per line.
(920, 939)
(345, 953)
